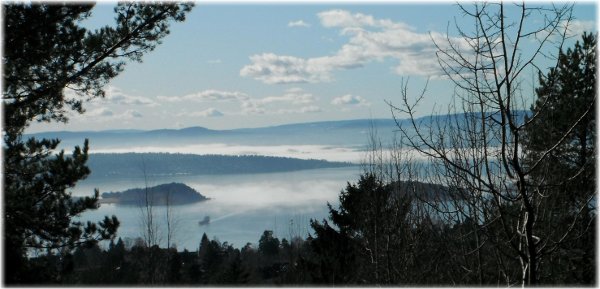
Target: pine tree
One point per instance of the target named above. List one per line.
(52, 65)
(362, 220)
(563, 118)
(565, 106)
(268, 245)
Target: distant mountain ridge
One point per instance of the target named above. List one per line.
(339, 133)
(203, 130)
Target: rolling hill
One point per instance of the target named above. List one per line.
(347, 133)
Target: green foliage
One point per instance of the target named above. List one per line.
(48, 56)
(373, 227)
(564, 119)
(268, 245)
(52, 65)
(560, 147)
(336, 259)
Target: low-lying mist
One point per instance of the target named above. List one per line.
(330, 153)
(241, 206)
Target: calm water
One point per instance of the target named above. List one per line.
(241, 206)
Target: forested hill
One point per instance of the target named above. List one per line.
(156, 164)
(173, 194)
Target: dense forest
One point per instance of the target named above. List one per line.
(372, 239)
(161, 164)
(518, 208)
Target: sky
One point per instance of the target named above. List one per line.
(251, 65)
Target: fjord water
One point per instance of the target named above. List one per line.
(241, 207)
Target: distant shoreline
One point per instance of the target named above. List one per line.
(116, 165)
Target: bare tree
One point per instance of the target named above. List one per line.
(150, 232)
(171, 220)
(150, 228)
(397, 244)
(477, 149)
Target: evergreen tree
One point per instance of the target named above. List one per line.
(51, 66)
(116, 263)
(204, 244)
(565, 107)
(563, 118)
(361, 222)
(268, 245)
(336, 259)
(235, 273)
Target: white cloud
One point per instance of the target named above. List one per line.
(274, 69)
(103, 114)
(252, 107)
(99, 112)
(370, 40)
(108, 115)
(295, 96)
(577, 27)
(117, 96)
(130, 113)
(299, 23)
(113, 95)
(349, 99)
(345, 19)
(209, 112)
(207, 95)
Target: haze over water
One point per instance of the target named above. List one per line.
(241, 206)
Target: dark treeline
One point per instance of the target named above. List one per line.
(153, 164)
(519, 193)
(377, 235)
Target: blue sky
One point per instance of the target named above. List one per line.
(249, 65)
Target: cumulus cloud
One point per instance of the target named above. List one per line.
(252, 107)
(100, 112)
(349, 99)
(577, 27)
(370, 39)
(117, 96)
(112, 95)
(345, 19)
(293, 96)
(275, 69)
(207, 95)
(299, 99)
(103, 114)
(130, 113)
(299, 23)
(209, 112)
